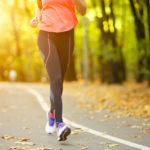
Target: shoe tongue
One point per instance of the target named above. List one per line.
(60, 125)
(51, 120)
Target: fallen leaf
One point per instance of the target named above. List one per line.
(25, 128)
(84, 147)
(135, 126)
(19, 148)
(8, 137)
(108, 143)
(112, 145)
(74, 132)
(122, 100)
(146, 130)
(102, 142)
(44, 149)
(25, 148)
(24, 140)
(25, 143)
(135, 136)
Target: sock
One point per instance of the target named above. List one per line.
(51, 114)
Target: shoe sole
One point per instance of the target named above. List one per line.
(64, 134)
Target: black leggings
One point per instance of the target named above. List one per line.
(56, 51)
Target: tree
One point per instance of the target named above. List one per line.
(140, 34)
(147, 2)
(112, 68)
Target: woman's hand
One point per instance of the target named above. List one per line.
(34, 22)
(81, 6)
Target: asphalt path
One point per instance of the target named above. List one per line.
(23, 116)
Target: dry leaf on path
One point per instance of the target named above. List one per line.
(8, 137)
(135, 136)
(84, 147)
(25, 148)
(146, 130)
(113, 145)
(19, 148)
(108, 143)
(25, 143)
(74, 132)
(25, 128)
(24, 140)
(135, 126)
(123, 100)
(44, 149)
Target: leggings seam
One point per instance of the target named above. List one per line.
(69, 51)
(48, 50)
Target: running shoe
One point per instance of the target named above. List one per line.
(50, 125)
(63, 131)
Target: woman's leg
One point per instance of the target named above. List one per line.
(51, 60)
(43, 46)
(56, 50)
(65, 47)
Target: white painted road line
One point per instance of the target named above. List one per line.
(45, 107)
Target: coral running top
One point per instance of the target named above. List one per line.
(58, 15)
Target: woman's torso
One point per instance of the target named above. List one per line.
(58, 15)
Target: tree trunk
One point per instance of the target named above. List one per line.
(148, 22)
(139, 25)
(19, 70)
(27, 9)
(140, 34)
(111, 71)
(91, 66)
(16, 33)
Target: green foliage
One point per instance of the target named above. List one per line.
(15, 17)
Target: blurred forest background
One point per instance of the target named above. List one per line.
(118, 42)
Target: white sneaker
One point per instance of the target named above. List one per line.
(50, 125)
(63, 131)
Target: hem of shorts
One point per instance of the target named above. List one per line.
(56, 31)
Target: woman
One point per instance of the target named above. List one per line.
(56, 44)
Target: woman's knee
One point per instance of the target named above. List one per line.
(56, 84)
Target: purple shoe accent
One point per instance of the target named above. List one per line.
(51, 121)
(60, 124)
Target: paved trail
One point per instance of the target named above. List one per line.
(22, 114)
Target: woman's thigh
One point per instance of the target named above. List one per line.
(65, 46)
(49, 54)
(43, 44)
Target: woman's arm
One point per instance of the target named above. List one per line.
(39, 2)
(38, 13)
(81, 6)
(34, 22)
